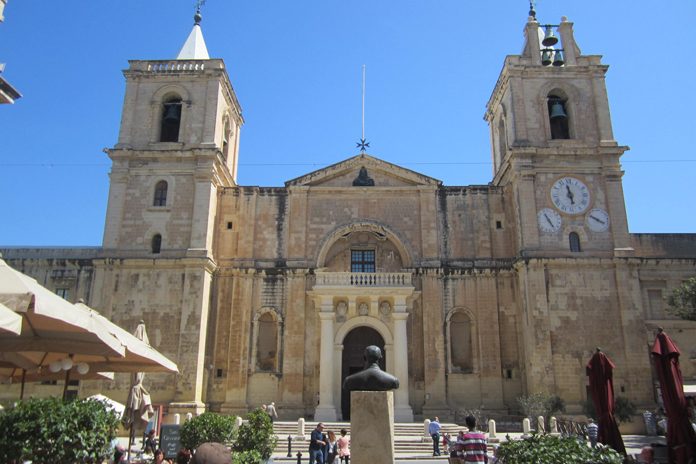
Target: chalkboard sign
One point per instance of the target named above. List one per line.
(169, 440)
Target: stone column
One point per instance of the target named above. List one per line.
(326, 411)
(402, 408)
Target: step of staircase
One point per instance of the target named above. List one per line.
(409, 438)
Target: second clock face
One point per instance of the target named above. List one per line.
(549, 220)
(598, 220)
(570, 195)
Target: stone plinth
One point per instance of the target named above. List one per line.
(372, 427)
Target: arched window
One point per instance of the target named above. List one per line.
(156, 243)
(160, 194)
(267, 342)
(226, 136)
(558, 117)
(502, 143)
(461, 347)
(574, 240)
(171, 120)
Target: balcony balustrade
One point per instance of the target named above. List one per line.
(363, 279)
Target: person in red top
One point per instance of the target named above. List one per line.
(474, 447)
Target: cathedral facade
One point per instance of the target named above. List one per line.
(477, 294)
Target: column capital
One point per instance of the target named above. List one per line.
(399, 316)
(327, 315)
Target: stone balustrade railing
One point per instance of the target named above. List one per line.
(175, 66)
(364, 279)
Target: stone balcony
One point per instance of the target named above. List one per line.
(363, 279)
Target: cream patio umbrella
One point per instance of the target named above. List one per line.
(56, 335)
(10, 321)
(139, 355)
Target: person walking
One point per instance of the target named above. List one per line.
(434, 431)
(475, 446)
(271, 410)
(592, 432)
(344, 447)
(316, 445)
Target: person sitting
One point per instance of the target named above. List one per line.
(150, 444)
(183, 456)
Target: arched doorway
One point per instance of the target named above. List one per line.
(354, 345)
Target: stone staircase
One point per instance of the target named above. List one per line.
(409, 439)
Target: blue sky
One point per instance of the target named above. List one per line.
(296, 69)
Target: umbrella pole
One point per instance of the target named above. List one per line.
(130, 440)
(21, 391)
(65, 387)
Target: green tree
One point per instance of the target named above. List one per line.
(540, 404)
(682, 301)
(50, 430)
(256, 434)
(547, 449)
(624, 409)
(209, 427)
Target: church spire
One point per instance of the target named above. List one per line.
(194, 48)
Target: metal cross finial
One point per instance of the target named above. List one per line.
(532, 11)
(197, 17)
(362, 145)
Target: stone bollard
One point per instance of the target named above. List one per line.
(177, 419)
(492, 438)
(541, 425)
(300, 427)
(526, 427)
(426, 426)
(289, 446)
(553, 425)
(189, 416)
(299, 458)
(237, 422)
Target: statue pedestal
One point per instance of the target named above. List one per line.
(372, 427)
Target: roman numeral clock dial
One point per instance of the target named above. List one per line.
(570, 195)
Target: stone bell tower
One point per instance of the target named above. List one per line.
(178, 145)
(553, 147)
(555, 157)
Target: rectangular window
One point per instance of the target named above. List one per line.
(362, 261)
(655, 301)
(63, 293)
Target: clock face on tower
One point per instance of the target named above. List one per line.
(598, 220)
(549, 220)
(570, 195)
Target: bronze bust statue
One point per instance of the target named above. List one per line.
(372, 378)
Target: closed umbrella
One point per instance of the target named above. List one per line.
(681, 439)
(600, 370)
(10, 321)
(139, 405)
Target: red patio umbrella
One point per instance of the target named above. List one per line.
(600, 371)
(681, 439)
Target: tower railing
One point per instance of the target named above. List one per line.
(175, 66)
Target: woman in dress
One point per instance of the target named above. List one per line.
(343, 444)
